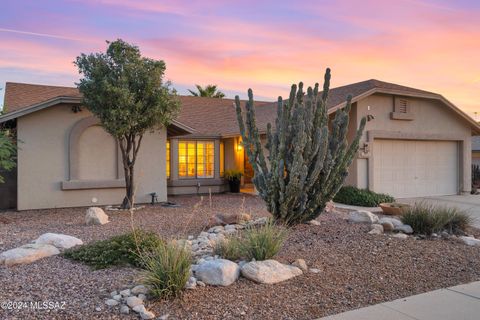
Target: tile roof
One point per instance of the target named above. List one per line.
(208, 116)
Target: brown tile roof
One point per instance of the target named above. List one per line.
(21, 95)
(208, 116)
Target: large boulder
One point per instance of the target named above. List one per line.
(362, 216)
(405, 228)
(392, 221)
(269, 271)
(95, 216)
(218, 272)
(27, 254)
(61, 241)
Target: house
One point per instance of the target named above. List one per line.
(476, 150)
(419, 144)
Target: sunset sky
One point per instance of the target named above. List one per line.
(266, 45)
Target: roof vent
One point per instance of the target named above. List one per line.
(402, 110)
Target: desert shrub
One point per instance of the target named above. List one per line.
(263, 242)
(256, 242)
(361, 197)
(230, 248)
(167, 270)
(428, 219)
(118, 250)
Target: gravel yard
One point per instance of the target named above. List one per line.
(357, 269)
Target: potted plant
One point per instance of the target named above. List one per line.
(394, 208)
(233, 178)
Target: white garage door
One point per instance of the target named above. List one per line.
(405, 168)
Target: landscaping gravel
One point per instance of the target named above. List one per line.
(356, 269)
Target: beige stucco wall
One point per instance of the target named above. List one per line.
(43, 162)
(432, 121)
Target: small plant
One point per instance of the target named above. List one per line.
(475, 175)
(427, 219)
(119, 250)
(361, 197)
(233, 175)
(264, 242)
(167, 269)
(256, 242)
(230, 248)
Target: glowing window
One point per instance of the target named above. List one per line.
(222, 159)
(168, 159)
(196, 159)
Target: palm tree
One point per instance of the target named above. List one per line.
(210, 91)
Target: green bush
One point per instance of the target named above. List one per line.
(230, 248)
(118, 250)
(167, 270)
(264, 242)
(259, 243)
(428, 219)
(361, 197)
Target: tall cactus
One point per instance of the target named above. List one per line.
(308, 158)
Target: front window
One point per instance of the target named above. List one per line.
(196, 159)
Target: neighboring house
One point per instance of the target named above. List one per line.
(419, 144)
(476, 150)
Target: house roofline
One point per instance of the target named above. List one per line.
(72, 100)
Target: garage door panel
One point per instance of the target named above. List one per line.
(415, 168)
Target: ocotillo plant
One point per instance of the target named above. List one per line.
(307, 161)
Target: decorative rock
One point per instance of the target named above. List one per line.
(125, 293)
(113, 293)
(95, 216)
(376, 229)
(222, 219)
(269, 271)
(301, 264)
(313, 223)
(27, 254)
(219, 272)
(133, 301)
(139, 309)
(329, 207)
(117, 297)
(402, 236)
(393, 221)
(61, 241)
(191, 283)
(147, 315)
(314, 270)
(362, 216)
(201, 283)
(215, 229)
(405, 228)
(230, 227)
(139, 289)
(142, 297)
(124, 309)
(387, 225)
(111, 302)
(470, 241)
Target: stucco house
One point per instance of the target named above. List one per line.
(419, 144)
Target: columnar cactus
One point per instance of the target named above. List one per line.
(308, 158)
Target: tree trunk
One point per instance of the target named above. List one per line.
(129, 146)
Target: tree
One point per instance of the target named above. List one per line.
(210, 91)
(126, 92)
(8, 152)
(308, 162)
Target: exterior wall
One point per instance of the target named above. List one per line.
(431, 121)
(44, 164)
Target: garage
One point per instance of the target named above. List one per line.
(415, 168)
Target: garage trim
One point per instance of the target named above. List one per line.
(389, 135)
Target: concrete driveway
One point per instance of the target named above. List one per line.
(469, 203)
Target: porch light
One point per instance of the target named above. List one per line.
(239, 146)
